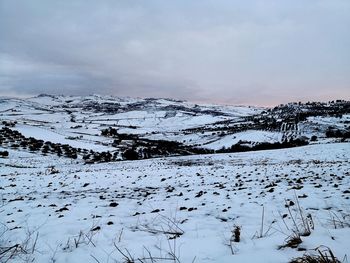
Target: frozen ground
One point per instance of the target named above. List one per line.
(180, 208)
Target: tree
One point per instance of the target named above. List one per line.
(4, 154)
(130, 154)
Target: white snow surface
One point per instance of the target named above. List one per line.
(248, 136)
(201, 197)
(53, 136)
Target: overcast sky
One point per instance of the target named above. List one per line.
(260, 52)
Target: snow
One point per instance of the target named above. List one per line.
(152, 122)
(96, 212)
(144, 186)
(248, 136)
(55, 137)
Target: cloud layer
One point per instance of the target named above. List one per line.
(256, 52)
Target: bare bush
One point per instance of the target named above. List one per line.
(23, 250)
(83, 238)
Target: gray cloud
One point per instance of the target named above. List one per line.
(261, 52)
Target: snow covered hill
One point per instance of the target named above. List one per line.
(266, 206)
(68, 193)
(111, 124)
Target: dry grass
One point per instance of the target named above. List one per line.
(293, 241)
(324, 255)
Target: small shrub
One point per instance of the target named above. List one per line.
(236, 234)
(313, 138)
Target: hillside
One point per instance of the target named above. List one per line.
(105, 179)
(149, 128)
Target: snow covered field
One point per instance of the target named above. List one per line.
(55, 118)
(184, 209)
(78, 121)
(263, 206)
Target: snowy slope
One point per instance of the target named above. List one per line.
(185, 206)
(228, 207)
